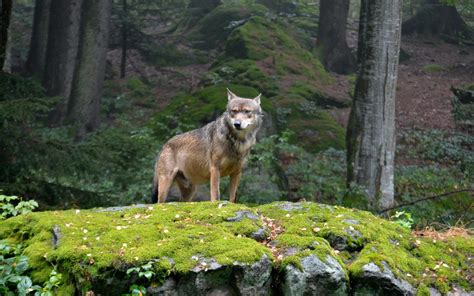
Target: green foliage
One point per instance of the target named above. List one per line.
(14, 86)
(9, 209)
(403, 219)
(113, 165)
(439, 146)
(415, 182)
(13, 267)
(14, 276)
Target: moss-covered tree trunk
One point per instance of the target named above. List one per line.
(39, 40)
(61, 52)
(84, 103)
(6, 12)
(336, 55)
(371, 131)
(437, 18)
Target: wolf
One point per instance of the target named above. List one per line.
(216, 150)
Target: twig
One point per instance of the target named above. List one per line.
(426, 198)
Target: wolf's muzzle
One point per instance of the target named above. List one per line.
(238, 124)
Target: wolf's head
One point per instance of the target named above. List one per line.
(243, 114)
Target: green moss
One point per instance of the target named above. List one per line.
(191, 111)
(138, 87)
(378, 241)
(93, 241)
(178, 236)
(317, 133)
(242, 72)
(433, 68)
(470, 86)
(260, 39)
(213, 29)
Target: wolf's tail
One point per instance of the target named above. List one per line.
(154, 191)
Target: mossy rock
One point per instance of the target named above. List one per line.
(313, 127)
(242, 72)
(188, 243)
(189, 111)
(260, 38)
(214, 28)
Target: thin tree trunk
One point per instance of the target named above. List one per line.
(84, 103)
(63, 40)
(335, 53)
(5, 17)
(371, 131)
(123, 62)
(36, 62)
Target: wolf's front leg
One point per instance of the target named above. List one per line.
(215, 178)
(234, 184)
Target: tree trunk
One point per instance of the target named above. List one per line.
(63, 39)
(6, 12)
(84, 103)
(434, 18)
(371, 131)
(336, 55)
(36, 62)
(123, 62)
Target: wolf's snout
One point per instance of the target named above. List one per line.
(237, 124)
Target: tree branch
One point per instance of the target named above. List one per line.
(426, 198)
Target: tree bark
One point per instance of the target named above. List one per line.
(435, 18)
(35, 64)
(370, 136)
(335, 53)
(84, 103)
(63, 39)
(123, 61)
(6, 12)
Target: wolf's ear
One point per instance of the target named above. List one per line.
(257, 99)
(230, 95)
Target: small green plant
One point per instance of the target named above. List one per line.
(50, 285)
(403, 219)
(9, 209)
(13, 266)
(144, 271)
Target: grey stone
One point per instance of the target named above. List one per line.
(240, 215)
(351, 221)
(375, 281)
(315, 278)
(167, 289)
(458, 291)
(291, 206)
(259, 235)
(255, 279)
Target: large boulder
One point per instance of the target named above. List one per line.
(230, 249)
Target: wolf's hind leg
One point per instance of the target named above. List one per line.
(164, 184)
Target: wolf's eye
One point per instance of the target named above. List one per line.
(246, 111)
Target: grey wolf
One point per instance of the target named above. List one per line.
(206, 154)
